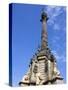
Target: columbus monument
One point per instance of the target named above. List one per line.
(43, 66)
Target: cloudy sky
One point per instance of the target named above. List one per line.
(26, 36)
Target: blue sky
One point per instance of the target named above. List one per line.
(26, 36)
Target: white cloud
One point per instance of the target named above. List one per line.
(59, 57)
(53, 12)
(56, 40)
(56, 27)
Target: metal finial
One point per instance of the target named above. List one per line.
(43, 15)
